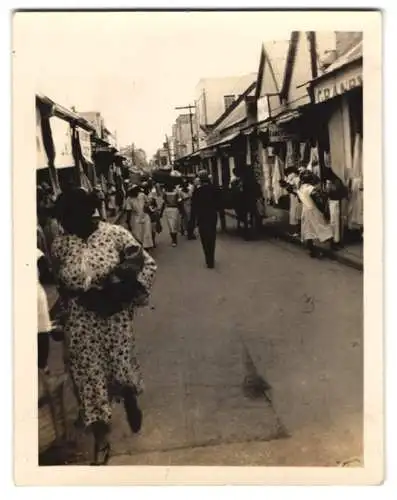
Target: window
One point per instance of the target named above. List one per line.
(229, 100)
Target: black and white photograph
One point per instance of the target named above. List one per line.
(197, 204)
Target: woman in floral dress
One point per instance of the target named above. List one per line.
(102, 274)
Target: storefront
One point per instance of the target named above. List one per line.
(338, 99)
(284, 128)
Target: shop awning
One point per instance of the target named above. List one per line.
(207, 153)
(64, 113)
(225, 141)
(345, 74)
(249, 130)
(287, 117)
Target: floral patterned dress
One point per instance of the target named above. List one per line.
(101, 349)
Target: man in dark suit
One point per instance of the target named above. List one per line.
(205, 206)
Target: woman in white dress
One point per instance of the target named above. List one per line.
(172, 201)
(295, 206)
(336, 192)
(138, 220)
(186, 192)
(314, 226)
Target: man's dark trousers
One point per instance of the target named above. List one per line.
(207, 231)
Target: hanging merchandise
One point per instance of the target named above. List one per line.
(305, 152)
(356, 198)
(62, 138)
(41, 157)
(327, 159)
(85, 144)
(314, 163)
(111, 178)
(267, 176)
(249, 156)
(290, 155)
(278, 191)
(357, 157)
(85, 182)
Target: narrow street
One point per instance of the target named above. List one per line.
(267, 312)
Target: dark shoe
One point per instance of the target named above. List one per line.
(102, 454)
(132, 410)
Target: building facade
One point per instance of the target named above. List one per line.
(213, 96)
(185, 135)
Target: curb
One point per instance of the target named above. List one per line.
(278, 233)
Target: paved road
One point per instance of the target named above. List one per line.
(270, 315)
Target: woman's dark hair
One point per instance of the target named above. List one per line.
(307, 177)
(329, 175)
(75, 202)
(133, 191)
(290, 170)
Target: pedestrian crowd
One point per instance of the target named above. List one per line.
(181, 204)
(104, 271)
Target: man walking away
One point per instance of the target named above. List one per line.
(205, 207)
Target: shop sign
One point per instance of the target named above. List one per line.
(277, 134)
(339, 85)
(62, 137)
(85, 144)
(263, 109)
(41, 157)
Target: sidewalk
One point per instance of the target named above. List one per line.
(277, 224)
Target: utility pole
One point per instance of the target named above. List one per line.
(189, 107)
(133, 154)
(168, 148)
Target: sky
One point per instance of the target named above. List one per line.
(135, 68)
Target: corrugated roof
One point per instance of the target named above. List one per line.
(352, 55)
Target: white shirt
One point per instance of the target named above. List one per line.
(43, 313)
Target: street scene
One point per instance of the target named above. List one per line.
(200, 247)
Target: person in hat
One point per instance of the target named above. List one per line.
(205, 207)
(103, 274)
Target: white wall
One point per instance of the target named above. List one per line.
(210, 92)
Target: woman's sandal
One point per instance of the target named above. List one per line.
(133, 412)
(102, 455)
